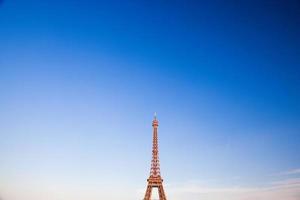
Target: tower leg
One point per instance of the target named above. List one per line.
(161, 193)
(148, 193)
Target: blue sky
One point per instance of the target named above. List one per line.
(80, 81)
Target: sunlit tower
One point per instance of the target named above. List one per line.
(155, 180)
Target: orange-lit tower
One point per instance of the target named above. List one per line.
(155, 180)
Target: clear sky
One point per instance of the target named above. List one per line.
(80, 81)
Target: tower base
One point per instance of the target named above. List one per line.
(155, 182)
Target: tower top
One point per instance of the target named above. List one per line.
(155, 121)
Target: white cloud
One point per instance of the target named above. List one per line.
(291, 172)
(287, 182)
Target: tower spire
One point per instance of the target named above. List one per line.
(155, 179)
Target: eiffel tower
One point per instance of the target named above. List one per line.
(155, 180)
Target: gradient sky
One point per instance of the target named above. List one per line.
(80, 81)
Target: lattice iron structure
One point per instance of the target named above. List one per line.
(155, 180)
